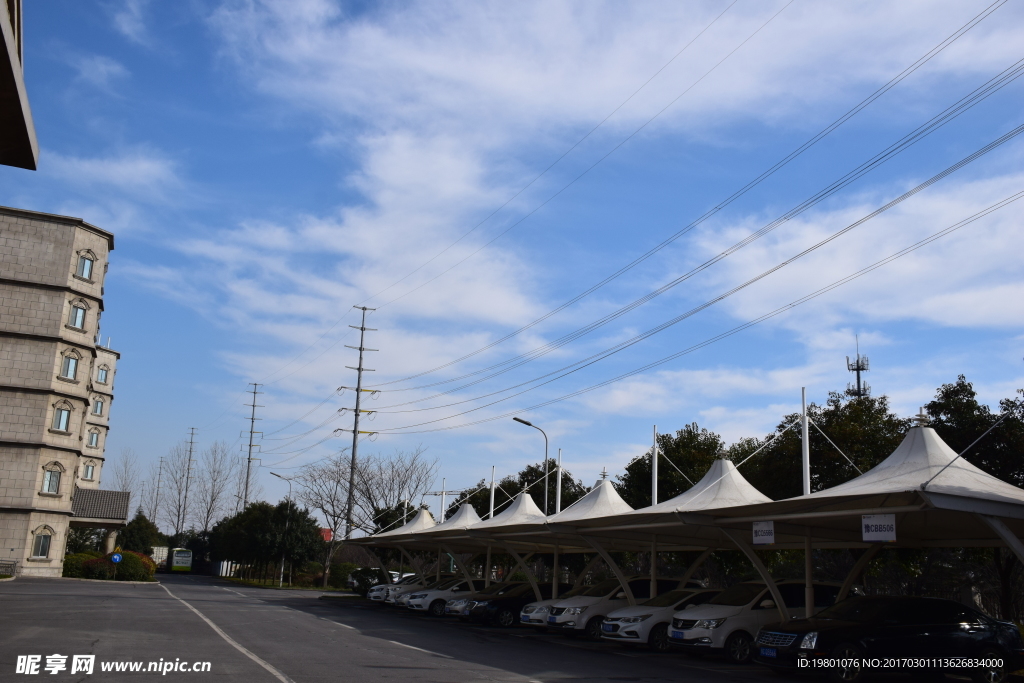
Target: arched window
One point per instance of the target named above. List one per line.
(86, 262)
(69, 364)
(97, 405)
(41, 541)
(102, 373)
(51, 477)
(76, 318)
(89, 470)
(62, 416)
(93, 442)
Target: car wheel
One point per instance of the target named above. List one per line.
(437, 608)
(848, 658)
(505, 618)
(990, 674)
(739, 648)
(593, 629)
(658, 639)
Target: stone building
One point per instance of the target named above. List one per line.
(56, 387)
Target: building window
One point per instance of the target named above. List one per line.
(51, 481)
(69, 367)
(85, 264)
(94, 442)
(101, 374)
(90, 469)
(97, 407)
(77, 317)
(41, 544)
(62, 419)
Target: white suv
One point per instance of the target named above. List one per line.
(433, 600)
(728, 623)
(584, 613)
(647, 623)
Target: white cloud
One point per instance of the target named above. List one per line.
(100, 71)
(129, 20)
(139, 173)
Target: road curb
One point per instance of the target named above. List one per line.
(128, 583)
(9, 578)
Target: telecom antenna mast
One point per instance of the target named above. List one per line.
(860, 389)
(363, 329)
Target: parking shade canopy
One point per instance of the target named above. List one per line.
(421, 522)
(937, 499)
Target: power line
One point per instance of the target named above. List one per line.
(739, 193)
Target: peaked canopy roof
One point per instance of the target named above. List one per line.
(421, 522)
(464, 518)
(601, 501)
(522, 511)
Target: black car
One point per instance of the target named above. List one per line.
(503, 609)
(861, 634)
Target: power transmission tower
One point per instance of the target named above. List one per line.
(183, 517)
(363, 329)
(252, 432)
(156, 506)
(861, 389)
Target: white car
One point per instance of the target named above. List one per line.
(536, 613)
(380, 591)
(414, 583)
(728, 623)
(461, 606)
(584, 613)
(434, 599)
(648, 622)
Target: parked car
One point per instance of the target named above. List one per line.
(379, 592)
(728, 623)
(536, 613)
(648, 622)
(503, 609)
(460, 607)
(885, 627)
(584, 613)
(413, 583)
(433, 599)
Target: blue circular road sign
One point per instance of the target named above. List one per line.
(115, 558)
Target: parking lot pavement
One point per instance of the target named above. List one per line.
(253, 635)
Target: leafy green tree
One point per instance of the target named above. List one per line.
(81, 540)
(140, 535)
(262, 534)
(692, 449)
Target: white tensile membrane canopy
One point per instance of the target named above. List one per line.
(421, 522)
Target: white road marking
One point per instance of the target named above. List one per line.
(231, 641)
(231, 591)
(438, 654)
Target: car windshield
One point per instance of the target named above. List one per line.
(408, 579)
(498, 588)
(578, 590)
(856, 609)
(667, 599)
(601, 589)
(738, 595)
(445, 583)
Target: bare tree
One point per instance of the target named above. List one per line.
(124, 475)
(323, 486)
(212, 484)
(383, 482)
(176, 505)
(255, 488)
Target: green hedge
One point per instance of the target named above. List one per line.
(340, 572)
(73, 563)
(132, 567)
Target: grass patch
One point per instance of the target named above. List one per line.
(5, 576)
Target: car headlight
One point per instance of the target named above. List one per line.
(528, 609)
(635, 620)
(576, 610)
(810, 641)
(709, 623)
(482, 603)
(457, 603)
(418, 596)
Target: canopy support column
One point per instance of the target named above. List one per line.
(583, 574)
(526, 570)
(858, 569)
(555, 574)
(487, 568)
(1009, 538)
(459, 563)
(614, 567)
(654, 565)
(695, 566)
(808, 577)
(438, 564)
(412, 563)
(780, 604)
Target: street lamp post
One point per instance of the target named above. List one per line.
(529, 424)
(287, 519)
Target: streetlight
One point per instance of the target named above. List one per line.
(529, 424)
(280, 580)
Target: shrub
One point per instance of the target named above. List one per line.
(340, 571)
(132, 567)
(73, 563)
(365, 578)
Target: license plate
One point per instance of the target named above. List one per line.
(769, 652)
(676, 634)
(606, 627)
(552, 620)
(523, 617)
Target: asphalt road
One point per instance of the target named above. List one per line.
(256, 635)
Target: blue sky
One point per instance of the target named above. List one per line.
(266, 165)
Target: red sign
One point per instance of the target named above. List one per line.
(327, 535)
